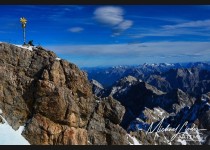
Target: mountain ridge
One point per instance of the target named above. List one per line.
(52, 98)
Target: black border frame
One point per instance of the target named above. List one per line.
(104, 2)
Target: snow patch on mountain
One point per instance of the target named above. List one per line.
(115, 89)
(8, 136)
(123, 85)
(135, 141)
(183, 142)
(97, 84)
(30, 48)
(58, 58)
(167, 64)
(159, 111)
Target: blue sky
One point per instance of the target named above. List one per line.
(107, 35)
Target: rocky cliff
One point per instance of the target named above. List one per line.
(53, 99)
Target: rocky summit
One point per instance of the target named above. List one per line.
(52, 98)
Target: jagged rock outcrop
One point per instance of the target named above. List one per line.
(54, 100)
(194, 81)
(134, 95)
(104, 124)
(137, 95)
(159, 82)
(152, 115)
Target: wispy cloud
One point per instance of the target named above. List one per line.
(112, 17)
(75, 29)
(151, 52)
(194, 28)
(160, 18)
(122, 27)
(161, 32)
(191, 24)
(60, 12)
(145, 49)
(72, 7)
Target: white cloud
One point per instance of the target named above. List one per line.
(125, 24)
(76, 29)
(113, 17)
(191, 24)
(122, 27)
(109, 15)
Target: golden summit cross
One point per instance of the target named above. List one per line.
(23, 21)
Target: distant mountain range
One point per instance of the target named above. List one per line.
(107, 76)
(177, 93)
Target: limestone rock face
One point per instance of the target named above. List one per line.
(54, 100)
(103, 126)
(43, 131)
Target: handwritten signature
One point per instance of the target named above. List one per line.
(158, 128)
